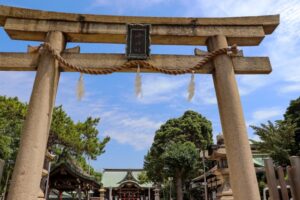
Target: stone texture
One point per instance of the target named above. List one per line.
(25, 183)
(241, 168)
(27, 24)
(29, 61)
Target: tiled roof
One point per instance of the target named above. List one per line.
(113, 177)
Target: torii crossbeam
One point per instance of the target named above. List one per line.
(59, 28)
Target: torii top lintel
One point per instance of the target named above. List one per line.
(27, 24)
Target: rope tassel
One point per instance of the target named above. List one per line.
(138, 83)
(191, 88)
(80, 87)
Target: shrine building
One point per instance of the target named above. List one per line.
(217, 178)
(123, 184)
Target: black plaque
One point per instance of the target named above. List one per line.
(138, 41)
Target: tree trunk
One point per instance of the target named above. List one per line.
(179, 194)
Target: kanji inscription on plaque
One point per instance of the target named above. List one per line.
(138, 41)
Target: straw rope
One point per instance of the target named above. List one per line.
(142, 63)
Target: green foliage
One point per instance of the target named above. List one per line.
(180, 157)
(293, 114)
(143, 178)
(78, 139)
(81, 161)
(173, 151)
(191, 127)
(293, 111)
(281, 139)
(277, 140)
(67, 138)
(12, 115)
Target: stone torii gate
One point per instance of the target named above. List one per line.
(59, 28)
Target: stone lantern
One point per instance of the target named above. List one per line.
(157, 192)
(43, 192)
(102, 193)
(222, 172)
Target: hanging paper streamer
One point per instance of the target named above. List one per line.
(80, 87)
(191, 89)
(138, 83)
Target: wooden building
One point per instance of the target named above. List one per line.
(68, 181)
(123, 184)
(217, 178)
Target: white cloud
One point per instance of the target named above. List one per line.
(129, 128)
(173, 90)
(17, 84)
(264, 114)
(205, 92)
(124, 126)
(290, 88)
(123, 5)
(282, 48)
(139, 123)
(98, 3)
(139, 140)
(161, 88)
(249, 83)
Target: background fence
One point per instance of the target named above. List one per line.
(283, 184)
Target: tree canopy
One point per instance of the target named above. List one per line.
(277, 140)
(67, 139)
(74, 139)
(281, 138)
(12, 115)
(174, 150)
(293, 114)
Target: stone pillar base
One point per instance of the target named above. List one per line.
(225, 195)
(41, 195)
(226, 198)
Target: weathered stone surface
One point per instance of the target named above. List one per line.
(27, 24)
(269, 22)
(241, 168)
(28, 62)
(25, 183)
(24, 29)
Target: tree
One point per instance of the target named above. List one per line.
(12, 114)
(180, 159)
(67, 139)
(282, 138)
(277, 140)
(189, 132)
(74, 139)
(143, 178)
(293, 113)
(77, 141)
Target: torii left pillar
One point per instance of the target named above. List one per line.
(27, 173)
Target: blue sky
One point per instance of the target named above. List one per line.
(131, 122)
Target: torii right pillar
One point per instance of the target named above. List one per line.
(241, 168)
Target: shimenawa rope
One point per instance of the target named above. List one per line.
(141, 63)
(138, 63)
